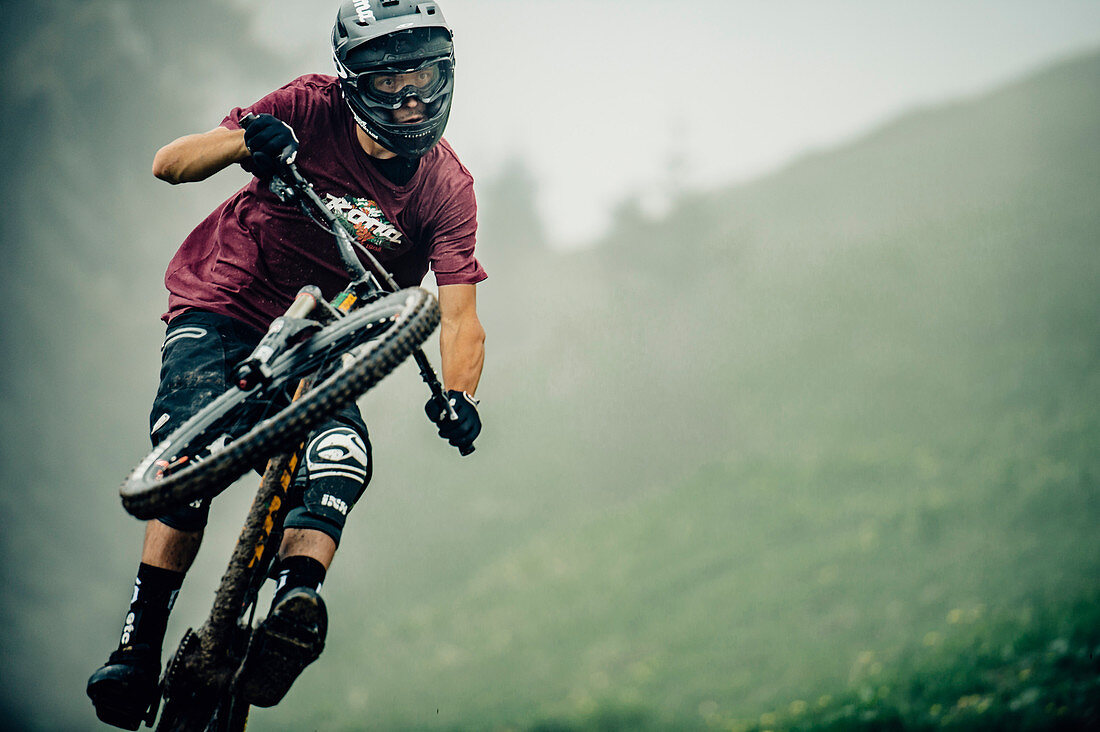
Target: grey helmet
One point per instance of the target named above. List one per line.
(387, 51)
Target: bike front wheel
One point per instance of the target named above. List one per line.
(240, 429)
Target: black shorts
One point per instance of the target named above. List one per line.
(198, 360)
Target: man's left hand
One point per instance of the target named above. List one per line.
(463, 430)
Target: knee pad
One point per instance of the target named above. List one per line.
(335, 473)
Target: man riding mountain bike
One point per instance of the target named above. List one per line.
(371, 142)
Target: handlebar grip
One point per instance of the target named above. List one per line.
(465, 450)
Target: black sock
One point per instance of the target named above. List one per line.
(155, 591)
(298, 571)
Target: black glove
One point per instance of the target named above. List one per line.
(461, 431)
(272, 145)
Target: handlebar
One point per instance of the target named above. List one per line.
(300, 188)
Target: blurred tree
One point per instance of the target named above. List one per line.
(508, 215)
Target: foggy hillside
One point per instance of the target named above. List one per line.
(728, 452)
(793, 423)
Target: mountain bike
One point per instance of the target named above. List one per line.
(313, 360)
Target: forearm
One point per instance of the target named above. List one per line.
(462, 349)
(196, 157)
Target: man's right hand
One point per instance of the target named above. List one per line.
(272, 145)
(464, 429)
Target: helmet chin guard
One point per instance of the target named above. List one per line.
(388, 52)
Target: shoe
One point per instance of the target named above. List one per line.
(289, 639)
(124, 688)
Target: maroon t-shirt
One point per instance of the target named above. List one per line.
(251, 255)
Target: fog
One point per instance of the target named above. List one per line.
(789, 424)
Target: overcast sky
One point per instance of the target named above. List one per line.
(604, 99)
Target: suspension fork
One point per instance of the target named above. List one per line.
(306, 314)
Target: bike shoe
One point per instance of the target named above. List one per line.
(289, 639)
(123, 689)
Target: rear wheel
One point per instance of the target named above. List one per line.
(240, 429)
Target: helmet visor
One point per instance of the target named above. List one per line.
(390, 87)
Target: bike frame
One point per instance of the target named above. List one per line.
(205, 670)
(207, 664)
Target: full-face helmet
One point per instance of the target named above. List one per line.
(386, 52)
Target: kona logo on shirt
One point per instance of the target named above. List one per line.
(372, 228)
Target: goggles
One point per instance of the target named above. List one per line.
(390, 87)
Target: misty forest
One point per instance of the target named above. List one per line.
(816, 451)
